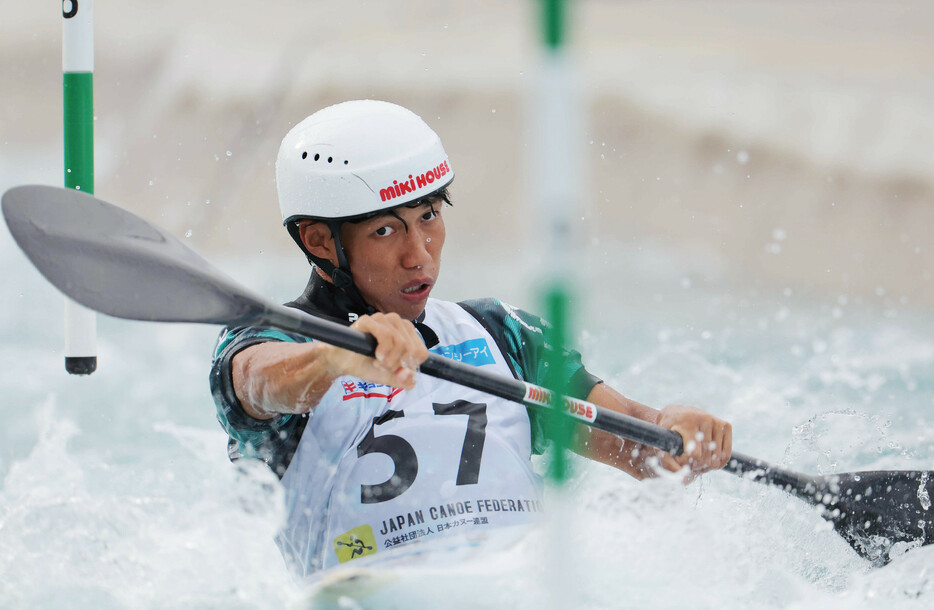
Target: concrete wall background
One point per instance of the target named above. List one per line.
(790, 143)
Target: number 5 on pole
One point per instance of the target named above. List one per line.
(78, 103)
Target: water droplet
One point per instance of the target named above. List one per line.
(742, 157)
(188, 233)
(229, 154)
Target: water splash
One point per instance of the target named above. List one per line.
(122, 495)
(923, 495)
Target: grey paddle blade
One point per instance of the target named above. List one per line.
(109, 260)
(881, 513)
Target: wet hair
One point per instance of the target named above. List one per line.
(430, 200)
(294, 229)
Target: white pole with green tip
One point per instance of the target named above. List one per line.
(556, 155)
(78, 121)
(556, 176)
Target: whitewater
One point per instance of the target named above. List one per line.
(117, 493)
(757, 245)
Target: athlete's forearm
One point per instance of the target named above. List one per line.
(611, 450)
(277, 377)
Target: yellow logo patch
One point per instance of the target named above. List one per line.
(355, 543)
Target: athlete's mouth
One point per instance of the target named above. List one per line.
(417, 290)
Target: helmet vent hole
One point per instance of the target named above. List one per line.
(330, 159)
(304, 155)
(317, 156)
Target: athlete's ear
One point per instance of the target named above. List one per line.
(317, 239)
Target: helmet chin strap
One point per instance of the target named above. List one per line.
(340, 274)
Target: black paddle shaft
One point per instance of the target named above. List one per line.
(473, 377)
(118, 264)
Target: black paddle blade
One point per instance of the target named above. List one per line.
(111, 261)
(881, 514)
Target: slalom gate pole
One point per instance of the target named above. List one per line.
(78, 105)
(556, 177)
(556, 180)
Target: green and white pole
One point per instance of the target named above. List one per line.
(556, 156)
(78, 98)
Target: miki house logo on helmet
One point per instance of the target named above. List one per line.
(398, 189)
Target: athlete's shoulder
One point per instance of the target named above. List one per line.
(440, 311)
(500, 314)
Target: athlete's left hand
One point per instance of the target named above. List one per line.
(708, 440)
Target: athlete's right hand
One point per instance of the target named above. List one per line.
(399, 352)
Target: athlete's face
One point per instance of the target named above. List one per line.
(395, 258)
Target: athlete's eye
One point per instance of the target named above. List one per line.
(429, 214)
(384, 231)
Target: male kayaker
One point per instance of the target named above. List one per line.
(371, 454)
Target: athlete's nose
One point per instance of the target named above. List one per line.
(417, 253)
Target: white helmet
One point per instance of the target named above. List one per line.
(356, 158)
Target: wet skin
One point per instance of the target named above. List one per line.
(394, 258)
